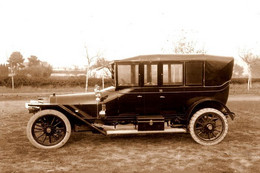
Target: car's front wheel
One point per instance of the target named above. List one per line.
(48, 129)
(208, 126)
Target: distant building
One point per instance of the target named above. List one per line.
(100, 73)
(64, 72)
(94, 73)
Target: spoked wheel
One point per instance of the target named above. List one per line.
(48, 129)
(208, 126)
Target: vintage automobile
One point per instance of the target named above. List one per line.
(151, 94)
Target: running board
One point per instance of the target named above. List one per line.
(124, 132)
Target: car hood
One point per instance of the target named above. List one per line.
(80, 98)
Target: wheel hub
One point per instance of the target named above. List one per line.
(48, 130)
(210, 127)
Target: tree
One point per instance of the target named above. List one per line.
(256, 69)
(238, 70)
(101, 62)
(37, 68)
(38, 71)
(102, 67)
(33, 61)
(90, 61)
(15, 63)
(3, 70)
(47, 70)
(249, 58)
(184, 44)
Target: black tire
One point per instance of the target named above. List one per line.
(48, 129)
(208, 126)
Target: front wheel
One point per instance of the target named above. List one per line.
(208, 126)
(48, 129)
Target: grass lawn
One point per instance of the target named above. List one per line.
(87, 152)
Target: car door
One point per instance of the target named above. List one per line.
(152, 101)
(172, 92)
(172, 101)
(131, 102)
(130, 99)
(150, 90)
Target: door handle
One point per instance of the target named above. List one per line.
(139, 96)
(162, 97)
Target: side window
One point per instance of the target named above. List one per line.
(128, 75)
(150, 74)
(194, 73)
(172, 74)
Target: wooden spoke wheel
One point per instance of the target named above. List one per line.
(208, 126)
(48, 129)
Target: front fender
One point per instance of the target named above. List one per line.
(37, 105)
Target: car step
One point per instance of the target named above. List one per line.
(130, 129)
(124, 132)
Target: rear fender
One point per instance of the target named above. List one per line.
(205, 103)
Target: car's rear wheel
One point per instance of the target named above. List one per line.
(208, 126)
(48, 129)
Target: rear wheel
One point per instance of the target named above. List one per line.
(48, 129)
(208, 126)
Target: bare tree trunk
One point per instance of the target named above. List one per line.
(86, 88)
(89, 61)
(103, 81)
(87, 73)
(12, 82)
(249, 82)
(249, 58)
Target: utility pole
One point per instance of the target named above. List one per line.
(12, 75)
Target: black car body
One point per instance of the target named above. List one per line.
(152, 94)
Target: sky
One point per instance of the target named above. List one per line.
(58, 31)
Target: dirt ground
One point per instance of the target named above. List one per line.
(87, 152)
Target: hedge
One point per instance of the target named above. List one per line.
(244, 80)
(75, 81)
(52, 81)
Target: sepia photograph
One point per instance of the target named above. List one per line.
(146, 86)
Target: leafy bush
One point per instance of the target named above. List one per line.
(22, 80)
(239, 80)
(3, 70)
(244, 80)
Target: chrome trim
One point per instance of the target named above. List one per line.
(32, 102)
